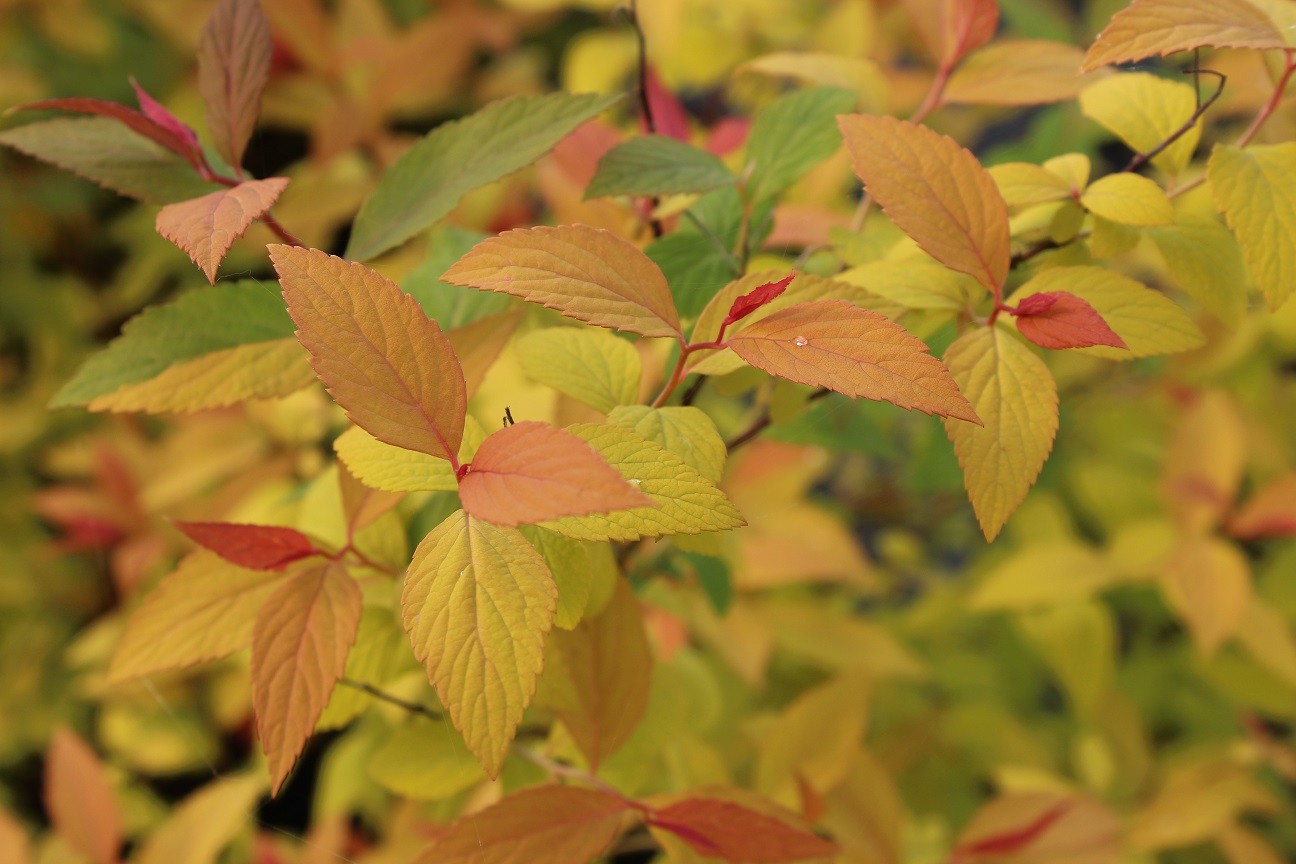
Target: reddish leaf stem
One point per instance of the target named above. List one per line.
(1274, 100)
(677, 374)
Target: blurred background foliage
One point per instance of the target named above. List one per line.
(1048, 659)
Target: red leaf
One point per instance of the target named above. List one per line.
(157, 112)
(756, 298)
(668, 114)
(728, 135)
(1058, 319)
(128, 117)
(725, 829)
(1011, 842)
(257, 547)
(969, 24)
(1271, 512)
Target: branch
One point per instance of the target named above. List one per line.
(1141, 159)
(645, 106)
(384, 696)
(762, 423)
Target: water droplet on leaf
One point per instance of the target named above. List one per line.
(800, 341)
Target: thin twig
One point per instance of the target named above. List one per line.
(763, 422)
(384, 696)
(1141, 159)
(645, 104)
(691, 394)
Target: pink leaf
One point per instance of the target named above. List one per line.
(1059, 319)
(257, 547)
(668, 114)
(157, 112)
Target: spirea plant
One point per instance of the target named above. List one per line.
(542, 564)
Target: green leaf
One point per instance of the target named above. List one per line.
(683, 430)
(1205, 261)
(427, 182)
(592, 366)
(449, 305)
(569, 563)
(714, 578)
(197, 324)
(793, 134)
(657, 165)
(106, 152)
(695, 268)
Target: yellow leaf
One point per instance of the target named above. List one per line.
(378, 656)
(382, 359)
(914, 284)
(593, 366)
(830, 343)
(935, 191)
(815, 740)
(860, 74)
(1268, 637)
(573, 573)
(1160, 27)
(1255, 189)
(1129, 199)
(1203, 468)
(202, 611)
(1043, 575)
(1206, 262)
(424, 760)
(392, 469)
(866, 814)
(687, 432)
(585, 273)
(1078, 641)
(1109, 239)
(1196, 800)
(1014, 394)
(79, 798)
(1208, 582)
(1144, 110)
(205, 228)
(685, 501)
(299, 647)
(1023, 184)
(1017, 72)
(837, 640)
(479, 344)
(262, 370)
(1148, 322)
(477, 602)
(608, 666)
(204, 823)
(1074, 168)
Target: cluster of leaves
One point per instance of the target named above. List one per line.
(637, 625)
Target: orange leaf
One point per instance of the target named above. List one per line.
(935, 191)
(585, 273)
(1271, 512)
(1160, 27)
(728, 830)
(205, 228)
(79, 799)
(540, 825)
(607, 661)
(383, 360)
(478, 344)
(233, 67)
(530, 472)
(1025, 827)
(830, 343)
(1206, 462)
(1058, 319)
(299, 649)
(361, 504)
(257, 547)
(969, 24)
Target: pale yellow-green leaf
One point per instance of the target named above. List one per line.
(1130, 199)
(1269, 639)
(1107, 239)
(569, 563)
(866, 814)
(686, 502)
(1255, 189)
(1078, 642)
(380, 465)
(426, 761)
(202, 611)
(1074, 168)
(478, 600)
(815, 740)
(860, 74)
(1208, 582)
(1149, 322)
(592, 366)
(1042, 576)
(261, 370)
(204, 823)
(687, 432)
(1015, 396)
(1024, 183)
(916, 284)
(1197, 798)
(379, 653)
(836, 640)
(1144, 110)
(1205, 261)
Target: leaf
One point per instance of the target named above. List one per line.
(754, 299)
(1144, 110)
(380, 654)
(233, 67)
(256, 547)
(1205, 462)
(390, 368)
(424, 760)
(15, 847)
(202, 611)
(1016, 72)
(426, 183)
(233, 321)
(592, 366)
(1059, 320)
(392, 469)
(861, 75)
(1208, 582)
(205, 228)
(969, 24)
(140, 124)
(730, 831)
(540, 825)
(1147, 321)
(531, 472)
(790, 136)
(105, 152)
(1016, 398)
(668, 113)
(684, 501)
(1159, 27)
(917, 284)
(1268, 638)
(830, 343)
(1076, 573)
(936, 192)
(479, 344)
(1270, 512)
(1205, 261)
(158, 113)
(573, 573)
(1129, 199)
(1023, 184)
(203, 823)
(299, 647)
(477, 602)
(687, 432)
(444, 303)
(814, 740)
(657, 165)
(1029, 826)
(585, 273)
(79, 798)
(1255, 189)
